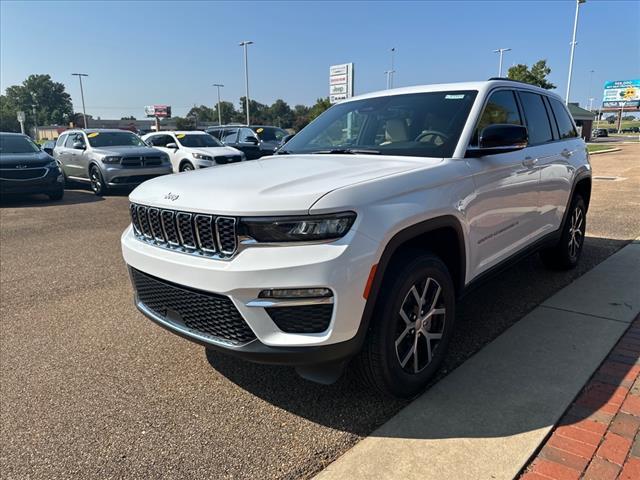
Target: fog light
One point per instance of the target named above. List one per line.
(296, 293)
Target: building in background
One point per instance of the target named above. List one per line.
(583, 118)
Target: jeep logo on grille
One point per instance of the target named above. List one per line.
(171, 196)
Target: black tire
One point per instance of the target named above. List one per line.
(97, 181)
(56, 195)
(186, 166)
(386, 362)
(566, 253)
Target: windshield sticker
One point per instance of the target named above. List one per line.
(259, 130)
(94, 134)
(181, 135)
(454, 97)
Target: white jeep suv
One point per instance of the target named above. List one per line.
(356, 239)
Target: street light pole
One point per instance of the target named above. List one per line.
(590, 84)
(219, 85)
(245, 44)
(501, 52)
(35, 122)
(573, 49)
(84, 112)
(392, 71)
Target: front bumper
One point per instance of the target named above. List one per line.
(52, 181)
(116, 175)
(342, 266)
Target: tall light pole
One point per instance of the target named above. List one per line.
(590, 83)
(35, 122)
(501, 52)
(219, 86)
(245, 44)
(392, 71)
(389, 74)
(84, 112)
(573, 49)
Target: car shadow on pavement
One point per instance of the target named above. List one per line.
(482, 316)
(71, 197)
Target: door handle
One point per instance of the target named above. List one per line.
(529, 162)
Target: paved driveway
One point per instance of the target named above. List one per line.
(90, 388)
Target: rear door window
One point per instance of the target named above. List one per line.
(535, 113)
(565, 124)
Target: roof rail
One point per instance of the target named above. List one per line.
(505, 79)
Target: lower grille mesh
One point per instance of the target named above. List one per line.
(302, 319)
(204, 312)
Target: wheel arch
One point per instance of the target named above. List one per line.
(183, 161)
(442, 236)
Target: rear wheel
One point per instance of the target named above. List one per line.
(411, 328)
(566, 253)
(97, 181)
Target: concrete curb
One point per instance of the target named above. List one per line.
(610, 150)
(475, 425)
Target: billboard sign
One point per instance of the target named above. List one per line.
(158, 111)
(621, 93)
(340, 82)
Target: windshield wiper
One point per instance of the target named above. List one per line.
(350, 151)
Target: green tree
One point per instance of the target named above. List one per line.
(537, 75)
(8, 116)
(185, 123)
(130, 117)
(204, 114)
(52, 103)
(320, 106)
(281, 114)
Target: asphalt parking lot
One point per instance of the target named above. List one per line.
(90, 388)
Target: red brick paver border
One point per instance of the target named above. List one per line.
(598, 437)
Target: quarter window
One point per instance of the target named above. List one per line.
(537, 119)
(61, 140)
(501, 108)
(565, 124)
(230, 136)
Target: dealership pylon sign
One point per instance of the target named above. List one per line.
(340, 82)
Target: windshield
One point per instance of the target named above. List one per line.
(17, 144)
(417, 124)
(270, 134)
(197, 141)
(114, 139)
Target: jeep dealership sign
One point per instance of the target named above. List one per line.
(340, 82)
(158, 111)
(621, 93)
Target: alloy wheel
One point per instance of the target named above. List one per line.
(576, 233)
(420, 326)
(96, 181)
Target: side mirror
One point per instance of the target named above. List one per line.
(78, 146)
(500, 138)
(48, 150)
(251, 139)
(171, 145)
(286, 138)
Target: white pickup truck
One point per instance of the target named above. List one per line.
(353, 242)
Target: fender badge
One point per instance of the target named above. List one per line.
(171, 196)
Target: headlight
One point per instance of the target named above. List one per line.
(165, 158)
(200, 156)
(111, 160)
(298, 229)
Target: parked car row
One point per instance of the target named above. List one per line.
(110, 158)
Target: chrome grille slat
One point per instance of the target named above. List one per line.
(204, 233)
(193, 233)
(226, 235)
(154, 223)
(168, 220)
(144, 221)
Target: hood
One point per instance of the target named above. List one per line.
(35, 159)
(126, 151)
(214, 151)
(276, 185)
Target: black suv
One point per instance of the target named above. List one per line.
(255, 140)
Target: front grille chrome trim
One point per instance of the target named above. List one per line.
(184, 232)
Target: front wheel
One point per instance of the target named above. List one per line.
(566, 253)
(186, 167)
(97, 181)
(412, 326)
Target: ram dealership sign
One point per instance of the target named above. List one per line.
(621, 93)
(340, 82)
(158, 111)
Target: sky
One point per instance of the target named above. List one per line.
(171, 52)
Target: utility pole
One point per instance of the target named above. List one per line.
(501, 52)
(245, 44)
(219, 86)
(84, 112)
(573, 49)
